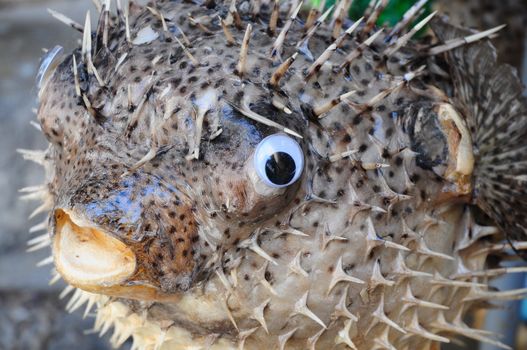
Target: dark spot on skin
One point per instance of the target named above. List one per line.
(357, 119)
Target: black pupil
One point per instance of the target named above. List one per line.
(280, 168)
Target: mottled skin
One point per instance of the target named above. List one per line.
(337, 258)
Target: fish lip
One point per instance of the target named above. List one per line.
(95, 261)
(87, 257)
(461, 157)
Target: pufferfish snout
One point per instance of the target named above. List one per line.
(144, 231)
(224, 176)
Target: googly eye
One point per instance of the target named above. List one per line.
(278, 160)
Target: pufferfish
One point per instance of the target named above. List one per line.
(255, 174)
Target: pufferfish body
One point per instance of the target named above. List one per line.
(253, 175)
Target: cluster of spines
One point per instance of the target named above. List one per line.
(108, 309)
(314, 21)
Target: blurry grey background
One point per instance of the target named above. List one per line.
(31, 314)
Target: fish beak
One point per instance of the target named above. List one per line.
(461, 154)
(88, 258)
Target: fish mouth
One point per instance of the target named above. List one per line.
(95, 261)
(89, 258)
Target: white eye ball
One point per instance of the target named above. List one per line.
(278, 160)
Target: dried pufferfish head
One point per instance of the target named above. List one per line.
(247, 181)
(144, 217)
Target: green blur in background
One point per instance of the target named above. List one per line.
(391, 14)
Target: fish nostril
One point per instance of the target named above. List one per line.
(87, 257)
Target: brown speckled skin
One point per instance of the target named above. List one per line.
(190, 221)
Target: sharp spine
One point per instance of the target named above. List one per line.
(301, 308)
(295, 266)
(159, 15)
(324, 57)
(372, 19)
(227, 32)
(76, 77)
(341, 310)
(343, 335)
(273, 20)
(321, 111)
(407, 18)
(243, 335)
(127, 24)
(233, 12)
(261, 119)
(358, 51)
(282, 339)
(380, 316)
(66, 20)
(339, 275)
(402, 41)
(258, 315)
(454, 43)
(314, 28)
(242, 62)
(277, 45)
(281, 70)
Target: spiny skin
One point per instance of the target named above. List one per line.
(372, 248)
(487, 13)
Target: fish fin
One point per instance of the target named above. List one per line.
(489, 95)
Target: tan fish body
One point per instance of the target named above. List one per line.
(256, 176)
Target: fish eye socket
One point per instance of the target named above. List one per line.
(278, 160)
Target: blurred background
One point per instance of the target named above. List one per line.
(31, 314)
